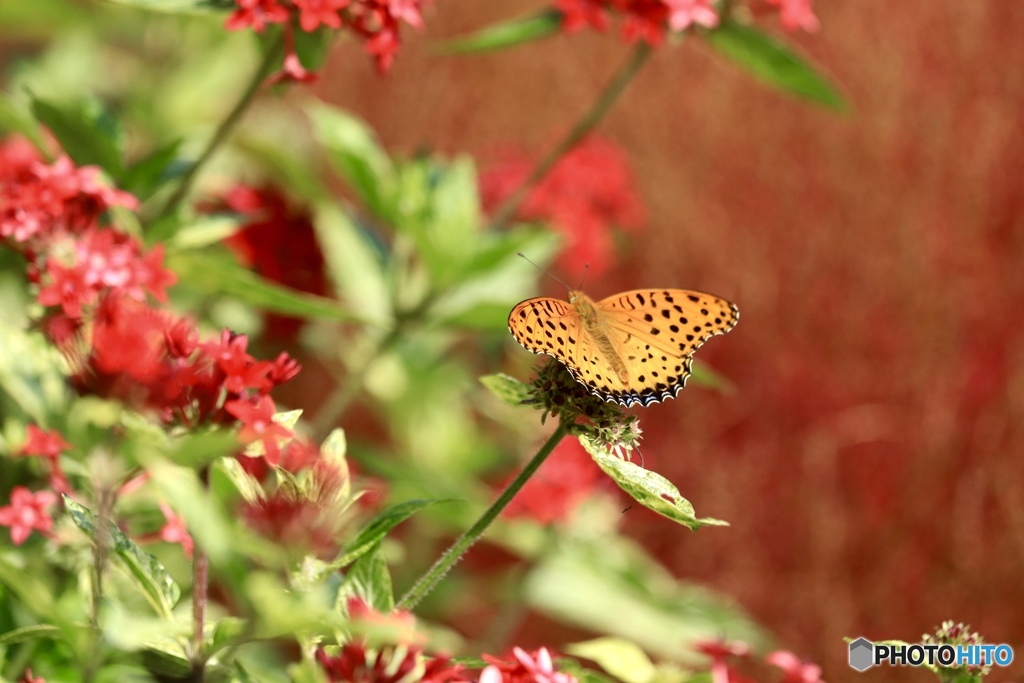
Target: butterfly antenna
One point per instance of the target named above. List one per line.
(586, 269)
(519, 253)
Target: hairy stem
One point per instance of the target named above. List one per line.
(434, 575)
(604, 103)
(270, 59)
(200, 586)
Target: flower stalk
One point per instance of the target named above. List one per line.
(604, 103)
(428, 581)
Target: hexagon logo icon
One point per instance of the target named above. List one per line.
(862, 654)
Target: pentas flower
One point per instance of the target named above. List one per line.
(796, 14)
(241, 371)
(527, 667)
(174, 531)
(587, 192)
(643, 20)
(400, 661)
(794, 669)
(82, 267)
(29, 678)
(40, 201)
(27, 512)
(720, 651)
(258, 425)
(375, 21)
(49, 445)
(567, 478)
(278, 241)
(309, 518)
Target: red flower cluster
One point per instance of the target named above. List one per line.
(376, 22)
(279, 243)
(356, 661)
(568, 477)
(27, 512)
(650, 20)
(585, 193)
(794, 670)
(526, 667)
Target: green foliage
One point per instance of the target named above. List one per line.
(773, 62)
(508, 34)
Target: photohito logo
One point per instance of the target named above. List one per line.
(865, 654)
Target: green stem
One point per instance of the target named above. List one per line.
(270, 59)
(434, 575)
(611, 93)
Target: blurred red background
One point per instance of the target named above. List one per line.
(869, 458)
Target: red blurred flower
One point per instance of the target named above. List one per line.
(358, 662)
(27, 513)
(719, 651)
(174, 531)
(567, 478)
(258, 425)
(314, 13)
(588, 191)
(797, 14)
(528, 667)
(684, 13)
(50, 444)
(39, 201)
(644, 20)
(29, 678)
(256, 14)
(311, 519)
(278, 242)
(241, 371)
(794, 669)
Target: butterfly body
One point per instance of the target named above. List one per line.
(632, 348)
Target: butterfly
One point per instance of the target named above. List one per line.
(635, 347)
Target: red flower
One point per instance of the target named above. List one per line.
(40, 442)
(684, 13)
(579, 13)
(535, 667)
(588, 190)
(241, 370)
(795, 670)
(278, 241)
(48, 444)
(567, 478)
(313, 13)
(256, 14)
(719, 651)
(174, 530)
(797, 14)
(258, 425)
(292, 71)
(29, 678)
(27, 513)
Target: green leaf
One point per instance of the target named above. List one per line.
(648, 488)
(621, 658)
(507, 388)
(355, 152)
(175, 6)
(773, 63)
(87, 131)
(608, 584)
(145, 176)
(247, 485)
(378, 527)
(200, 448)
(149, 575)
(28, 633)
(370, 580)
(354, 265)
(224, 276)
(312, 46)
(508, 34)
